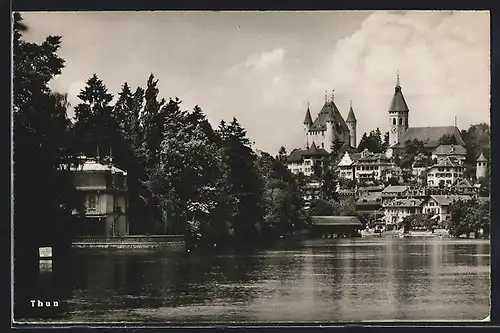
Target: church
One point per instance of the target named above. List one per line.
(400, 132)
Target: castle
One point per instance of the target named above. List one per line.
(329, 126)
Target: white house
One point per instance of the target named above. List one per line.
(445, 173)
(346, 166)
(395, 210)
(303, 161)
(371, 166)
(438, 205)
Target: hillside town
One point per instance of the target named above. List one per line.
(413, 172)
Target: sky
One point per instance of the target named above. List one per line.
(264, 68)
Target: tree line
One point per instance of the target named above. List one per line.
(184, 176)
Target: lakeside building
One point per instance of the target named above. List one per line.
(397, 209)
(392, 192)
(346, 167)
(370, 204)
(458, 152)
(445, 173)
(438, 206)
(104, 188)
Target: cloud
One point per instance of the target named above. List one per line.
(260, 61)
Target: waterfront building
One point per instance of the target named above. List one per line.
(464, 186)
(438, 206)
(456, 151)
(445, 173)
(397, 209)
(104, 189)
(369, 203)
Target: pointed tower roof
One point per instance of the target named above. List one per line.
(398, 101)
(308, 119)
(481, 158)
(350, 116)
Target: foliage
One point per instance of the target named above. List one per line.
(468, 216)
(477, 139)
(447, 139)
(392, 181)
(372, 142)
(329, 186)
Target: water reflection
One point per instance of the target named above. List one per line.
(316, 280)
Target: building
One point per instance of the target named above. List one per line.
(104, 188)
(464, 186)
(304, 160)
(456, 151)
(371, 166)
(369, 204)
(438, 206)
(418, 169)
(392, 192)
(346, 167)
(445, 173)
(481, 166)
(400, 132)
(329, 126)
(397, 209)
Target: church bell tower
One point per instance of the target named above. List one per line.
(398, 116)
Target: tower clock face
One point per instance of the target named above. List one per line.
(394, 129)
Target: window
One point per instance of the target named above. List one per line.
(92, 202)
(455, 174)
(394, 121)
(441, 169)
(400, 121)
(448, 181)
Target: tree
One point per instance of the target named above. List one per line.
(477, 139)
(43, 185)
(447, 139)
(282, 154)
(385, 144)
(329, 186)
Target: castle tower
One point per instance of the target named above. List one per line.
(330, 125)
(307, 126)
(351, 124)
(481, 166)
(398, 115)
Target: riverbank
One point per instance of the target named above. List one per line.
(130, 242)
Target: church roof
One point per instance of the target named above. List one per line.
(398, 101)
(430, 135)
(329, 112)
(481, 158)
(350, 116)
(308, 119)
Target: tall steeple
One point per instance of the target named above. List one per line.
(398, 115)
(351, 124)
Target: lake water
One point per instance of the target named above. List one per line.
(324, 280)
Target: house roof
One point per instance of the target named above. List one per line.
(464, 182)
(376, 188)
(395, 189)
(298, 154)
(450, 149)
(295, 155)
(407, 202)
(372, 198)
(308, 119)
(398, 102)
(336, 221)
(447, 162)
(331, 113)
(481, 158)
(446, 200)
(314, 151)
(430, 135)
(92, 166)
